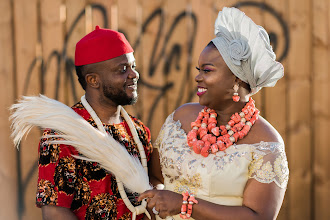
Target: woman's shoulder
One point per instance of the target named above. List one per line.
(189, 109)
(186, 114)
(263, 131)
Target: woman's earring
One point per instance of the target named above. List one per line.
(236, 96)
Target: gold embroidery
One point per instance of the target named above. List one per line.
(254, 166)
(266, 172)
(192, 184)
(281, 169)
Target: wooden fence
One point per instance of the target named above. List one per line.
(37, 41)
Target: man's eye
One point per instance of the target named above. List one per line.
(124, 69)
(134, 66)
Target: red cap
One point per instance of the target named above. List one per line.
(100, 45)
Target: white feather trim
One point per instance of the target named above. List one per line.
(73, 130)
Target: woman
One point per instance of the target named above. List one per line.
(219, 159)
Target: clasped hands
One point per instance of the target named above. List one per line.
(166, 203)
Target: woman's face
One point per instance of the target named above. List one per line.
(215, 81)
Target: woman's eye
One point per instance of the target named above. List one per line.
(204, 70)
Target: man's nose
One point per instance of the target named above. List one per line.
(134, 74)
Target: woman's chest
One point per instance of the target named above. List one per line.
(224, 173)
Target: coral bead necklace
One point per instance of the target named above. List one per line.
(205, 137)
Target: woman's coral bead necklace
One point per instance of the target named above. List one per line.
(205, 137)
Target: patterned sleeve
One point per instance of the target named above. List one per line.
(148, 145)
(269, 164)
(145, 136)
(56, 173)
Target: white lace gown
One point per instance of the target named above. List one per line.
(219, 178)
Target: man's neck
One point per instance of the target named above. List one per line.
(108, 113)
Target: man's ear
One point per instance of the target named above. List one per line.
(93, 80)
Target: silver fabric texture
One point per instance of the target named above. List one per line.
(246, 49)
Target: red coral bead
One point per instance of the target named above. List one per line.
(210, 126)
(236, 136)
(206, 137)
(241, 135)
(214, 148)
(207, 144)
(213, 139)
(236, 98)
(231, 123)
(216, 131)
(202, 132)
(205, 151)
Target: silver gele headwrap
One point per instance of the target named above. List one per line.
(246, 49)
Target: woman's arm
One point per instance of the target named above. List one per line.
(260, 201)
(155, 173)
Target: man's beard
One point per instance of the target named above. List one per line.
(119, 97)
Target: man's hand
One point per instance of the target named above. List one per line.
(167, 203)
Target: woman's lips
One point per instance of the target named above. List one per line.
(201, 91)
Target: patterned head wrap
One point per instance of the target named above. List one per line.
(246, 49)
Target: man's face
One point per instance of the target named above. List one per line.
(119, 80)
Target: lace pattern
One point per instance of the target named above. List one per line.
(269, 164)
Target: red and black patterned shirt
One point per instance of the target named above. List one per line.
(88, 190)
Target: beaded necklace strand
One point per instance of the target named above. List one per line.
(205, 137)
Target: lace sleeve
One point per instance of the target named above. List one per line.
(269, 164)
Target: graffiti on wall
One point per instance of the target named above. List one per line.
(172, 51)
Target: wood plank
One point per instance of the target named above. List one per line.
(52, 46)
(28, 62)
(8, 177)
(129, 22)
(275, 99)
(47, 15)
(101, 14)
(152, 82)
(51, 39)
(203, 31)
(176, 54)
(321, 101)
(26, 46)
(299, 112)
(73, 8)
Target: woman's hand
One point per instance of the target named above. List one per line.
(167, 203)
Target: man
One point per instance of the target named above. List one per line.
(70, 188)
